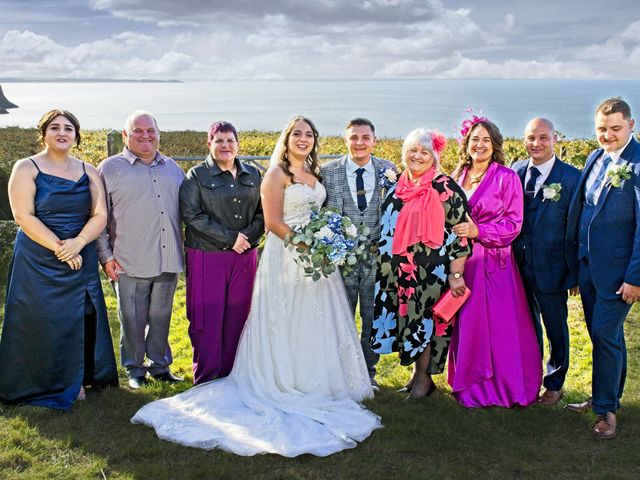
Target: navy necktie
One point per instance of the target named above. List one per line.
(530, 187)
(591, 193)
(360, 191)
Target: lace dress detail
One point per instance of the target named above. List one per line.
(299, 373)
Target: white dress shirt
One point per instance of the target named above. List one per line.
(544, 169)
(593, 174)
(369, 178)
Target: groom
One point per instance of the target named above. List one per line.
(353, 189)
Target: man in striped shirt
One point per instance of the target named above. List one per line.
(141, 247)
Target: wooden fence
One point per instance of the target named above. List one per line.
(115, 146)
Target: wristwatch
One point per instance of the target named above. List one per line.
(456, 275)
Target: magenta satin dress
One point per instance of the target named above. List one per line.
(494, 359)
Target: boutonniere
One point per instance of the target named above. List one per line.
(619, 173)
(551, 192)
(387, 177)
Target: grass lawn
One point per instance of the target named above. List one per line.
(429, 439)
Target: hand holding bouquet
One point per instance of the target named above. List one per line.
(330, 241)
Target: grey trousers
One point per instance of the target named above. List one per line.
(360, 285)
(144, 311)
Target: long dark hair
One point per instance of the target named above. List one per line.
(464, 160)
(280, 152)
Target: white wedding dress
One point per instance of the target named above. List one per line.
(299, 372)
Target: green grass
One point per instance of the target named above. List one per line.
(433, 438)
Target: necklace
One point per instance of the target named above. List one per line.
(475, 179)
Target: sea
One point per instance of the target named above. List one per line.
(395, 106)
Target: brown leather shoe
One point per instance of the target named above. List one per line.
(583, 407)
(605, 427)
(550, 397)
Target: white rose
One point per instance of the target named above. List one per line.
(352, 230)
(324, 232)
(391, 175)
(548, 193)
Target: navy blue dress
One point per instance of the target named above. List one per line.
(55, 336)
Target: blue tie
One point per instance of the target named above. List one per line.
(361, 193)
(591, 193)
(530, 187)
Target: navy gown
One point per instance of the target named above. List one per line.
(55, 336)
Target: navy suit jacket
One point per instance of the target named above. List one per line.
(614, 229)
(548, 254)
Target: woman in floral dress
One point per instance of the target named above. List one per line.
(419, 258)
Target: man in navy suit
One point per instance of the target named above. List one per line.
(603, 242)
(548, 185)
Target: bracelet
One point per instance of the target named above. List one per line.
(84, 239)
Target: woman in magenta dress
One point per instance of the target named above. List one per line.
(494, 359)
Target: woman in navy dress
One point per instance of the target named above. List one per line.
(55, 336)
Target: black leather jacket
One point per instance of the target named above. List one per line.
(215, 207)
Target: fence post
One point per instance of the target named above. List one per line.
(114, 143)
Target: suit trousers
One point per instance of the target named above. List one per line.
(144, 310)
(605, 323)
(552, 307)
(360, 285)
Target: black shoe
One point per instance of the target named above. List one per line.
(168, 377)
(136, 382)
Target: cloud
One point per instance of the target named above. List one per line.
(325, 39)
(457, 66)
(616, 50)
(26, 46)
(509, 21)
(320, 12)
(125, 55)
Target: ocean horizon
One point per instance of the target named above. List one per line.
(394, 106)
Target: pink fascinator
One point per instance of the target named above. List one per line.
(468, 123)
(438, 142)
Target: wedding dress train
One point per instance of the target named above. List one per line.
(299, 372)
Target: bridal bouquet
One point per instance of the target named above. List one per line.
(331, 240)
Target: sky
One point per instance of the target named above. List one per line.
(319, 39)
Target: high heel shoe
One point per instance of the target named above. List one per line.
(407, 386)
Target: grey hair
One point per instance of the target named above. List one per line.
(422, 137)
(137, 114)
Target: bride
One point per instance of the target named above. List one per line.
(299, 372)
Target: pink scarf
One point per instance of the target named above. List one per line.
(421, 218)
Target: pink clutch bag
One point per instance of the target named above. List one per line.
(448, 305)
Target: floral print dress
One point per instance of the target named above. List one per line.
(407, 286)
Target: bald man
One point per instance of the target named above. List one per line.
(548, 185)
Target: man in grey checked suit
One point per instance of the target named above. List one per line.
(353, 188)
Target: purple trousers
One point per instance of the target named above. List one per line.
(219, 289)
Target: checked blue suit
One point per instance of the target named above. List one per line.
(540, 252)
(603, 246)
(360, 282)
